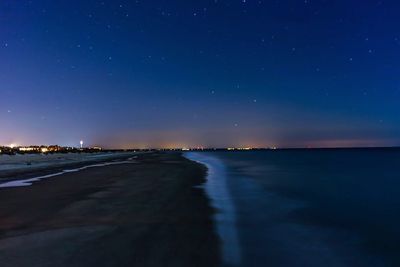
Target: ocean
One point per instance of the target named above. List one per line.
(306, 207)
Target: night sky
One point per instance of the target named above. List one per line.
(298, 73)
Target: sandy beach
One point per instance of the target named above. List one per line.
(20, 165)
(148, 212)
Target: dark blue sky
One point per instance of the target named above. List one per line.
(200, 73)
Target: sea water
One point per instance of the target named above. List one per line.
(306, 207)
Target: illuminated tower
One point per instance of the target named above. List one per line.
(81, 143)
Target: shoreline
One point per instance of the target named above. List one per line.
(148, 214)
(225, 219)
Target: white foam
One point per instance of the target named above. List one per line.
(217, 189)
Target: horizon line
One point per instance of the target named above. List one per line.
(231, 148)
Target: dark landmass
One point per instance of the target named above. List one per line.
(148, 213)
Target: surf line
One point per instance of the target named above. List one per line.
(217, 189)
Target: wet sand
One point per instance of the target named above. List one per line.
(145, 213)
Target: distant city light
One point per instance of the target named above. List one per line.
(26, 149)
(81, 143)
